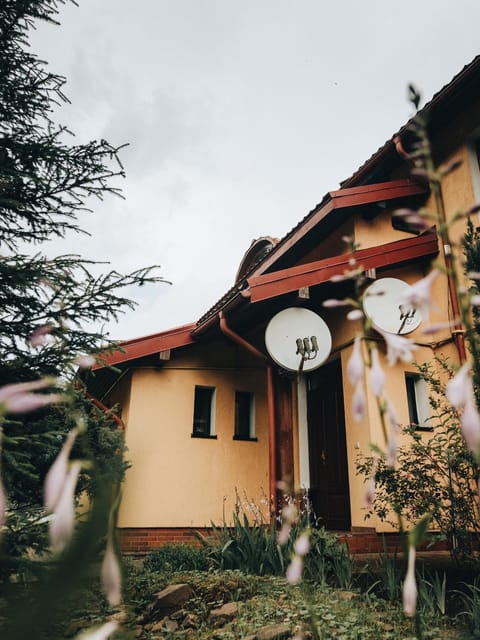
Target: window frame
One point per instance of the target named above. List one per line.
(473, 153)
(417, 401)
(198, 412)
(238, 434)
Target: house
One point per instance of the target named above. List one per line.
(212, 419)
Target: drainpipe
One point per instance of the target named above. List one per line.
(118, 421)
(272, 444)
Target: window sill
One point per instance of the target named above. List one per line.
(204, 436)
(423, 427)
(245, 439)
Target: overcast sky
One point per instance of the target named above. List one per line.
(240, 117)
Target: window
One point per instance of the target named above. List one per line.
(244, 416)
(474, 160)
(204, 412)
(417, 398)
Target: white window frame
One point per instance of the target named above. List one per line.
(213, 398)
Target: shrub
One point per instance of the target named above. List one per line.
(250, 546)
(177, 557)
(435, 473)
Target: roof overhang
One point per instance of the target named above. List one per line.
(146, 345)
(332, 203)
(271, 285)
(341, 199)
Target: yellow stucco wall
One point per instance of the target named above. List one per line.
(177, 480)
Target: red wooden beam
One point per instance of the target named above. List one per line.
(271, 285)
(351, 197)
(147, 345)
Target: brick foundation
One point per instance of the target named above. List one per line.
(372, 542)
(141, 540)
(138, 540)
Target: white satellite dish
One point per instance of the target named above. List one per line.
(382, 303)
(298, 339)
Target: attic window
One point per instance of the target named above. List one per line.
(474, 161)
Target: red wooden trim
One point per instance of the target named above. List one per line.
(348, 197)
(271, 285)
(147, 345)
(355, 196)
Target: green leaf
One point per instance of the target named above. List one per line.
(417, 534)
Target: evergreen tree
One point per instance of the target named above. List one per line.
(46, 182)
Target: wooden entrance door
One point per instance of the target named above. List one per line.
(329, 491)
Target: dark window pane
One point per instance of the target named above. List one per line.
(202, 411)
(412, 399)
(243, 414)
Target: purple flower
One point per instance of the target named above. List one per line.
(391, 449)
(436, 327)
(63, 518)
(56, 475)
(359, 403)
(470, 422)
(410, 586)
(284, 534)
(3, 505)
(355, 314)
(40, 335)
(85, 361)
(459, 388)
(110, 575)
(290, 513)
(19, 397)
(419, 295)
(412, 218)
(355, 365)
(294, 570)
(302, 545)
(370, 492)
(377, 375)
(331, 303)
(398, 348)
(100, 633)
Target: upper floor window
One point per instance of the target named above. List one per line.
(244, 416)
(204, 412)
(474, 160)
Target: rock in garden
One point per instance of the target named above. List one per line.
(223, 614)
(167, 601)
(191, 621)
(166, 624)
(279, 631)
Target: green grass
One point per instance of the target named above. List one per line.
(321, 611)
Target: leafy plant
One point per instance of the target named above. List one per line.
(390, 576)
(471, 603)
(251, 546)
(177, 557)
(432, 592)
(435, 473)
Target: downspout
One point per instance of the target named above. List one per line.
(118, 421)
(436, 188)
(457, 331)
(272, 444)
